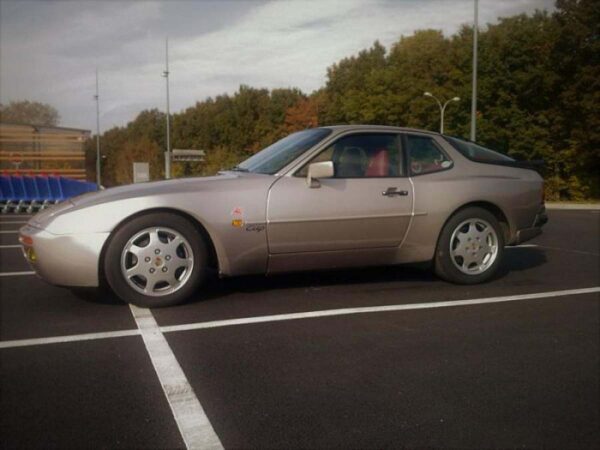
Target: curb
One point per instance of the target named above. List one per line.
(574, 206)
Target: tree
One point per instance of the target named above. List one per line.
(538, 98)
(151, 124)
(346, 94)
(302, 115)
(576, 62)
(29, 113)
(219, 158)
(139, 150)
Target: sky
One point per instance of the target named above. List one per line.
(49, 50)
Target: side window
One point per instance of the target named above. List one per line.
(362, 156)
(424, 155)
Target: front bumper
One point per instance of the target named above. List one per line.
(64, 260)
(526, 234)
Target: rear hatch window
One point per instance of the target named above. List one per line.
(478, 153)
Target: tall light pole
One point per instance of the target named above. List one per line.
(474, 84)
(97, 98)
(442, 107)
(168, 152)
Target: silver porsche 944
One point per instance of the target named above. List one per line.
(323, 198)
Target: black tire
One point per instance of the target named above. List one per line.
(118, 241)
(443, 264)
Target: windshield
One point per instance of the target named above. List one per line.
(476, 152)
(276, 156)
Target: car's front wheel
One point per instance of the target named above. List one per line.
(155, 260)
(470, 247)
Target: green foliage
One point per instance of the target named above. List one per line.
(219, 158)
(29, 113)
(141, 149)
(538, 98)
(538, 92)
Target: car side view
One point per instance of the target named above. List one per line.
(322, 198)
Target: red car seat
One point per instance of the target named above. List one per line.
(379, 164)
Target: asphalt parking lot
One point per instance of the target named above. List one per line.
(512, 363)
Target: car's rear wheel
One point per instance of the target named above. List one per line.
(470, 247)
(155, 260)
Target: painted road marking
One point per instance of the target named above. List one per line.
(11, 246)
(194, 426)
(374, 309)
(554, 248)
(302, 315)
(6, 222)
(9, 232)
(581, 252)
(16, 274)
(70, 338)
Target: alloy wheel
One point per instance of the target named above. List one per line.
(473, 246)
(157, 261)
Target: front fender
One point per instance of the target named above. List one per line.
(240, 249)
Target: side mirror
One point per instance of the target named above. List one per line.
(317, 171)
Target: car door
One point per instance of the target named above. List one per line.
(366, 205)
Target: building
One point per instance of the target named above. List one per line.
(34, 149)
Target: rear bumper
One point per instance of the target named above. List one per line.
(64, 260)
(526, 234)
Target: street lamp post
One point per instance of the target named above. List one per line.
(474, 83)
(97, 98)
(168, 152)
(442, 107)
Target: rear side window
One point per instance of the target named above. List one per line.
(476, 152)
(424, 155)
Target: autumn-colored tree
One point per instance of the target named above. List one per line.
(140, 150)
(302, 115)
(29, 113)
(538, 98)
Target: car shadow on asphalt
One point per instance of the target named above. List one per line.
(333, 277)
(516, 259)
(102, 295)
(411, 275)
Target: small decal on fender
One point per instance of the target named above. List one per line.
(237, 215)
(258, 227)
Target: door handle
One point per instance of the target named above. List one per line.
(392, 191)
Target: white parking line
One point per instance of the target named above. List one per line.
(581, 252)
(16, 274)
(301, 315)
(11, 246)
(70, 338)
(374, 309)
(9, 232)
(554, 248)
(195, 428)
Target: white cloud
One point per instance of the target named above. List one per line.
(52, 57)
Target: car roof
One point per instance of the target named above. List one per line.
(358, 127)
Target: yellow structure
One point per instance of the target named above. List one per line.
(40, 150)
